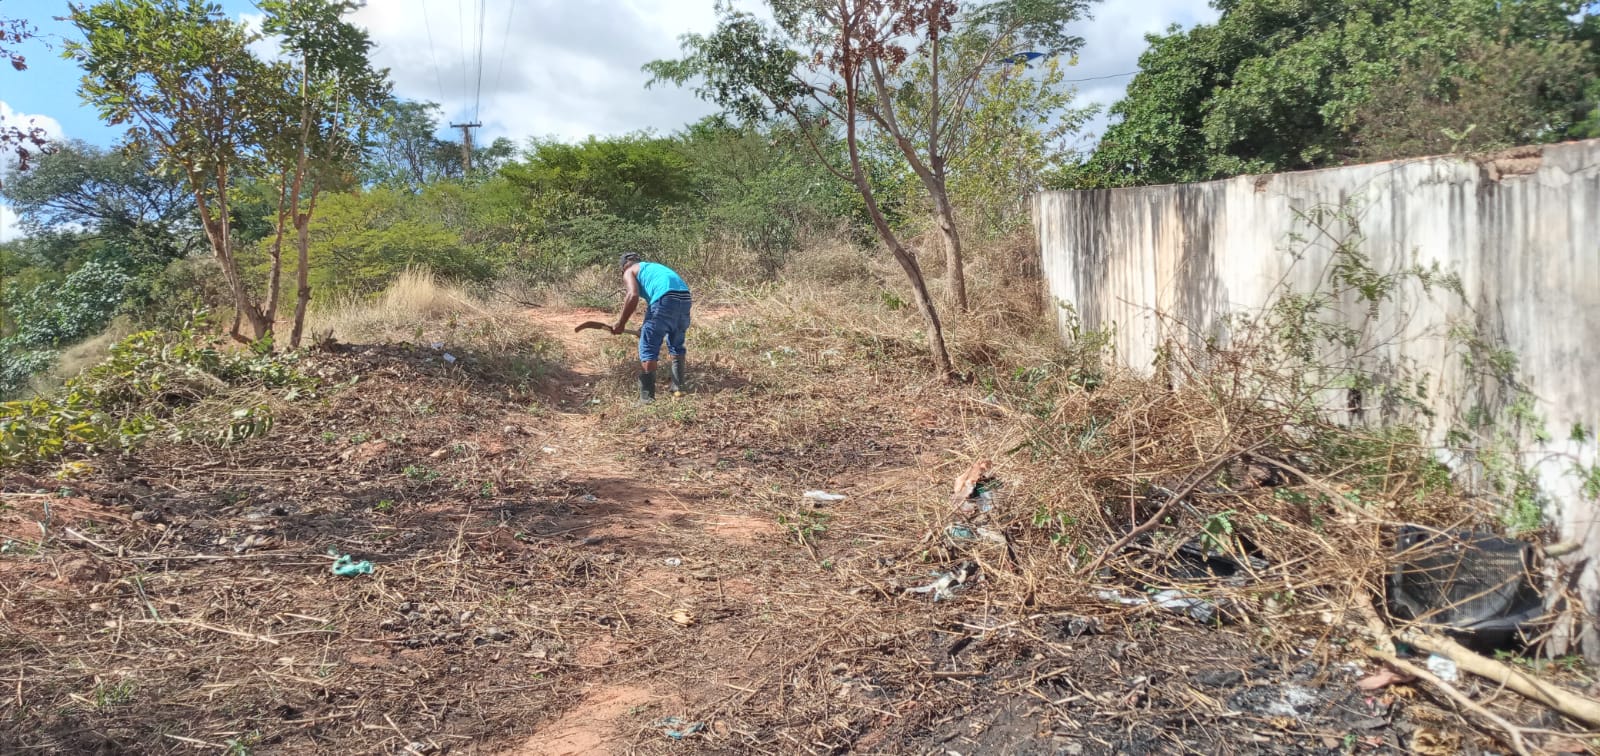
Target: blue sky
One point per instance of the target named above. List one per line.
(49, 87)
(563, 68)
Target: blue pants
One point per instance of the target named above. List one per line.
(667, 318)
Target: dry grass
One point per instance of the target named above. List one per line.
(414, 300)
(553, 523)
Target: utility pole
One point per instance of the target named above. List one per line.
(466, 145)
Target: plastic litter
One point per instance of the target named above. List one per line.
(974, 489)
(968, 534)
(677, 729)
(945, 583)
(1199, 610)
(344, 566)
(449, 358)
(672, 562)
(822, 496)
(1442, 668)
(1469, 581)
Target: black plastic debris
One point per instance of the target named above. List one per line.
(1471, 583)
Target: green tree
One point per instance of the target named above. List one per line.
(815, 66)
(755, 190)
(360, 240)
(1489, 96)
(78, 185)
(405, 152)
(103, 226)
(181, 76)
(1279, 85)
(634, 177)
(926, 105)
(1008, 138)
(332, 99)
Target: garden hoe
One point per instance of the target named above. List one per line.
(587, 324)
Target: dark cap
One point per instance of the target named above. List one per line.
(627, 258)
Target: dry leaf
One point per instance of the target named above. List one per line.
(683, 617)
(1431, 742)
(1381, 679)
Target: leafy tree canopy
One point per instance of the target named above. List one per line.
(1279, 85)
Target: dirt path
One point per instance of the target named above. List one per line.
(655, 521)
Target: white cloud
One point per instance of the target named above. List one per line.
(548, 67)
(1114, 40)
(10, 117)
(8, 224)
(8, 160)
(570, 69)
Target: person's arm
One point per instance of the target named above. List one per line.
(631, 302)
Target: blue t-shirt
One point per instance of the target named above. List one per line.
(656, 280)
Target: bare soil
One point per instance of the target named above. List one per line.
(557, 571)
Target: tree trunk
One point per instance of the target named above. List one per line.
(217, 233)
(908, 262)
(275, 278)
(955, 272)
(302, 225)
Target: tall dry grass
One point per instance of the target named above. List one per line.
(414, 301)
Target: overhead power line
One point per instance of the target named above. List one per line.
(477, 95)
(433, 56)
(505, 43)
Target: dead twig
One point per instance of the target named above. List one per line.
(1195, 480)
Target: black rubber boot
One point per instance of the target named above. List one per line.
(647, 386)
(679, 377)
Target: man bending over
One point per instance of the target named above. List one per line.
(666, 317)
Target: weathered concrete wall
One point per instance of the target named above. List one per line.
(1522, 232)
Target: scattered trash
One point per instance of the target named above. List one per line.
(683, 617)
(1201, 561)
(944, 583)
(822, 497)
(548, 450)
(967, 483)
(589, 498)
(1442, 668)
(967, 534)
(672, 562)
(677, 729)
(974, 489)
(449, 358)
(1472, 582)
(251, 542)
(344, 566)
(437, 345)
(1200, 610)
(773, 354)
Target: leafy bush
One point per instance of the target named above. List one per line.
(145, 386)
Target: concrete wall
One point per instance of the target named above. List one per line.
(1522, 231)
